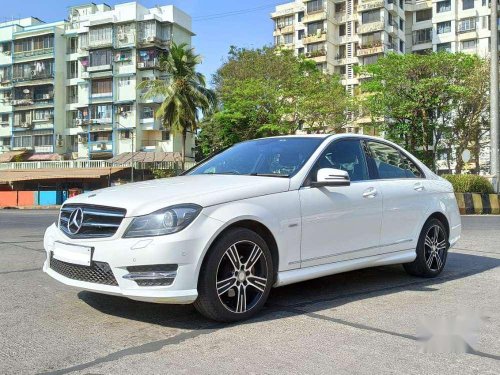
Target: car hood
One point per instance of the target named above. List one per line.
(205, 190)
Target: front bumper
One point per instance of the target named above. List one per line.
(184, 249)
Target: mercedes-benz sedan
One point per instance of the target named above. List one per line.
(261, 214)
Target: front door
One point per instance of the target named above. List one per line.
(340, 223)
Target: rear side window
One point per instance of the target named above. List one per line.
(390, 163)
(346, 155)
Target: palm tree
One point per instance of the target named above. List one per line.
(183, 91)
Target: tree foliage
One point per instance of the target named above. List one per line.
(182, 90)
(266, 92)
(421, 98)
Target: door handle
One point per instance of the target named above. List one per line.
(418, 186)
(371, 192)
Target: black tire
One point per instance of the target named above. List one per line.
(431, 256)
(219, 299)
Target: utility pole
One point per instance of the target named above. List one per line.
(494, 129)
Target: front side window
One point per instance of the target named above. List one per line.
(390, 163)
(346, 155)
(279, 157)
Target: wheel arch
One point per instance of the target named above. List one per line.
(443, 219)
(255, 226)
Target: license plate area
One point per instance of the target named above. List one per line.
(74, 254)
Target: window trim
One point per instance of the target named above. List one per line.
(401, 153)
(307, 179)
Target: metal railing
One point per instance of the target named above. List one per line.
(64, 164)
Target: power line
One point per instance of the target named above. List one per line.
(234, 13)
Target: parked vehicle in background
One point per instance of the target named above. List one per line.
(263, 213)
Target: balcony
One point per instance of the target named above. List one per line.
(34, 76)
(98, 68)
(150, 64)
(315, 38)
(34, 53)
(371, 27)
(284, 30)
(317, 53)
(100, 43)
(46, 100)
(314, 17)
(370, 50)
(371, 4)
(100, 146)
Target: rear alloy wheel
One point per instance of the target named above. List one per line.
(236, 278)
(432, 250)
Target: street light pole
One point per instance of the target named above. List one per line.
(132, 159)
(494, 130)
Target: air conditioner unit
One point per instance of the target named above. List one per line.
(141, 65)
(122, 36)
(150, 39)
(79, 122)
(102, 146)
(82, 139)
(85, 75)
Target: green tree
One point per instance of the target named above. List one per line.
(268, 91)
(416, 95)
(183, 92)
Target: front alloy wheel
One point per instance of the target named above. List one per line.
(236, 276)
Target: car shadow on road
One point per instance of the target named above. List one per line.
(301, 298)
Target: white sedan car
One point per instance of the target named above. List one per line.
(261, 214)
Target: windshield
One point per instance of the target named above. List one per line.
(275, 157)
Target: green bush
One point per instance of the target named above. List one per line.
(469, 183)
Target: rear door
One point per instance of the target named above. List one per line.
(403, 189)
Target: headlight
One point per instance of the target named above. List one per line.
(165, 221)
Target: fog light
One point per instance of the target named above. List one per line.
(152, 275)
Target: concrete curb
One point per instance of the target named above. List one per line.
(478, 204)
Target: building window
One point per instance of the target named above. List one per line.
(342, 30)
(467, 4)
(72, 93)
(444, 27)
(443, 47)
(73, 45)
(43, 114)
(443, 6)
(371, 40)
(101, 112)
(102, 87)
(469, 44)
(284, 21)
(124, 81)
(5, 118)
(315, 28)
(288, 38)
(401, 24)
(301, 34)
(466, 25)
(300, 16)
(148, 112)
(370, 59)
(340, 8)
(100, 35)
(314, 6)
(401, 46)
(422, 36)
(34, 70)
(300, 51)
(371, 16)
(72, 69)
(100, 57)
(43, 139)
(423, 15)
(316, 48)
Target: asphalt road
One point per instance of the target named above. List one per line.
(372, 321)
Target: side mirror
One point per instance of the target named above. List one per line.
(331, 177)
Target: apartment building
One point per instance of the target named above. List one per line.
(70, 87)
(340, 34)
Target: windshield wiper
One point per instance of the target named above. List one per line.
(269, 175)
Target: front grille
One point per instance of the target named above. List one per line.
(96, 221)
(98, 272)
